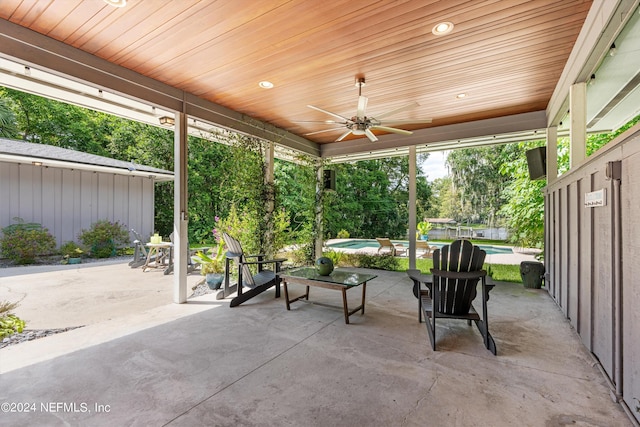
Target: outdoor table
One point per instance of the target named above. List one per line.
(339, 280)
(163, 254)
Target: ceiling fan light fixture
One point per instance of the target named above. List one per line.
(360, 82)
(442, 28)
(266, 84)
(461, 95)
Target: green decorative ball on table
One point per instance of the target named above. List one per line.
(324, 266)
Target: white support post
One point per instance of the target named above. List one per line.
(412, 206)
(319, 232)
(552, 154)
(180, 219)
(578, 129)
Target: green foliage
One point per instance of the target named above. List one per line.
(242, 226)
(343, 234)
(371, 199)
(296, 191)
(51, 122)
(302, 255)
(524, 209)
(70, 249)
(9, 323)
(104, 237)
(478, 182)
(212, 263)
(380, 262)
(23, 242)
(8, 126)
(424, 227)
(334, 256)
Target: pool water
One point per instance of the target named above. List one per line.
(365, 243)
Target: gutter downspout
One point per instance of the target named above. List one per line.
(614, 172)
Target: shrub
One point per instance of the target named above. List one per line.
(22, 242)
(335, 257)
(362, 260)
(9, 323)
(343, 234)
(380, 262)
(70, 250)
(103, 237)
(303, 255)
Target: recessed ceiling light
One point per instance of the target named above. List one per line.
(116, 3)
(461, 95)
(265, 84)
(442, 28)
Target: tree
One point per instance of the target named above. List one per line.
(8, 127)
(524, 209)
(296, 189)
(372, 199)
(478, 182)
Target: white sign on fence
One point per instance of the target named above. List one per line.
(595, 198)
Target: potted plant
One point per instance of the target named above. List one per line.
(71, 253)
(423, 229)
(212, 266)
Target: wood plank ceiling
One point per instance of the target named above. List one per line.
(505, 55)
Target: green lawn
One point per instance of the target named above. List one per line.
(498, 272)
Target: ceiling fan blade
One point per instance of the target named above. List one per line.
(411, 122)
(329, 113)
(393, 130)
(362, 106)
(397, 110)
(343, 136)
(325, 130)
(321, 122)
(370, 135)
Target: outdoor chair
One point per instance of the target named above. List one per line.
(140, 251)
(451, 288)
(256, 283)
(387, 245)
(427, 251)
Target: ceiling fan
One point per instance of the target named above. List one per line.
(360, 124)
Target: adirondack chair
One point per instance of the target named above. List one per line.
(256, 283)
(452, 287)
(140, 252)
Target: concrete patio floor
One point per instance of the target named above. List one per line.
(205, 364)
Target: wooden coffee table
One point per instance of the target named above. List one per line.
(339, 280)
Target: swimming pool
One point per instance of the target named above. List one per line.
(368, 243)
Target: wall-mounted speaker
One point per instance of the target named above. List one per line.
(329, 179)
(537, 162)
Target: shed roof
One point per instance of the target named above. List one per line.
(17, 151)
